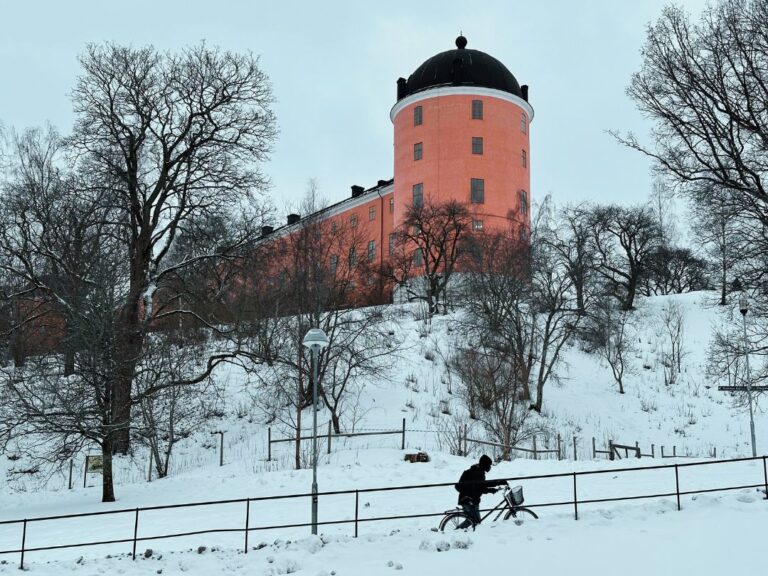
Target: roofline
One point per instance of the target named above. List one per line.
(436, 92)
(333, 209)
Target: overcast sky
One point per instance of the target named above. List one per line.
(334, 64)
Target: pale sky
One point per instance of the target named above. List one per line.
(334, 64)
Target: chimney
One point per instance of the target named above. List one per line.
(266, 230)
(357, 190)
(383, 182)
(524, 90)
(401, 88)
(293, 218)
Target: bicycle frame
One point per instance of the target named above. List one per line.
(502, 507)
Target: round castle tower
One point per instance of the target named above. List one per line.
(462, 133)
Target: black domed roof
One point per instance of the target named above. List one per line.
(460, 67)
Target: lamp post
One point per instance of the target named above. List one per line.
(743, 307)
(315, 340)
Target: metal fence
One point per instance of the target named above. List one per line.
(246, 528)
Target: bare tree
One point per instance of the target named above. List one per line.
(610, 327)
(174, 137)
(427, 250)
(624, 239)
(673, 323)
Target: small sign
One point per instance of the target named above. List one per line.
(742, 388)
(94, 464)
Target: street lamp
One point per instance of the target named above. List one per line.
(315, 340)
(743, 307)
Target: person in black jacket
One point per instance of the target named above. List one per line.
(472, 485)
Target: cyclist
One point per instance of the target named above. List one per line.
(472, 485)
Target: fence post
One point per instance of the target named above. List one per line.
(357, 506)
(402, 444)
(594, 449)
(247, 521)
(71, 465)
(85, 472)
(135, 532)
(677, 487)
(535, 453)
(23, 543)
(575, 500)
(674, 450)
(574, 449)
(714, 452)
(269, 444)
(610, 449)
(466, 448)
(559, 448)
(765, 477)
(662, 450)
(329, 436)
(149, 473)
(221, 450)
(653, 450)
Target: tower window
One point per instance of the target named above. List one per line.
(524, 158)
(477, 109)
(523, 123)
(392, 240)
(372, 213)
(417, 116)
(477, 225)
(353, 256)
(418, 257)
(417, 151)
(523, 203)
(353, 221)
(477, 145)
(372, 250)
(477, 191)
(391, 205)
(334, 263)
(418, 195)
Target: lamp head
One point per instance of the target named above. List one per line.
(743, 304)
(315, 340)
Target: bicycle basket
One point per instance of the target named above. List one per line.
(516, 494)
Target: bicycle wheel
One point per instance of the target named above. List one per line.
(454, 521)
(519, 515)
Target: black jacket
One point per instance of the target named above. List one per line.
(472, 485)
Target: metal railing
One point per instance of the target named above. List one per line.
(246, 528)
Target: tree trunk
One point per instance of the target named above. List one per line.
(107, 486)
(298, 435)
(335, 422)
(127, 349)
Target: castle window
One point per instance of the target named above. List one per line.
(523, 203)
(372, 213)
(372, 250)
(353, 221)
(418, 257)
(477, 109)
(392, 205)
(477, 145)
(392, 240)
(417, 151)
(524, 158)
(334, 263)
(477, 191)
(477, 225)
(353, 256)
(418, 195)
(523, 123)
(417, 116)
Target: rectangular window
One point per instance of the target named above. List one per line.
(353, 221)
(334, 227)
(392, 205)
(477, 191)
(477, 225)
(372, 213)
(477, 109)
(417, 118)
(524, 158)
(334, 263)
(418, 257)
(523, 203)
(418, 195)
(372, 250)
(353, 256)
(417, 151)
(392, 240)
(523, 123)
(477, 145)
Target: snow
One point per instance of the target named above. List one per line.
(714, 533)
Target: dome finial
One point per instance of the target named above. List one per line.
(461, 42)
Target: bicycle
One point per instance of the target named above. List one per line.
(510, 506)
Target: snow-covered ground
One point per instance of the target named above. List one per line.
(714, 534)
